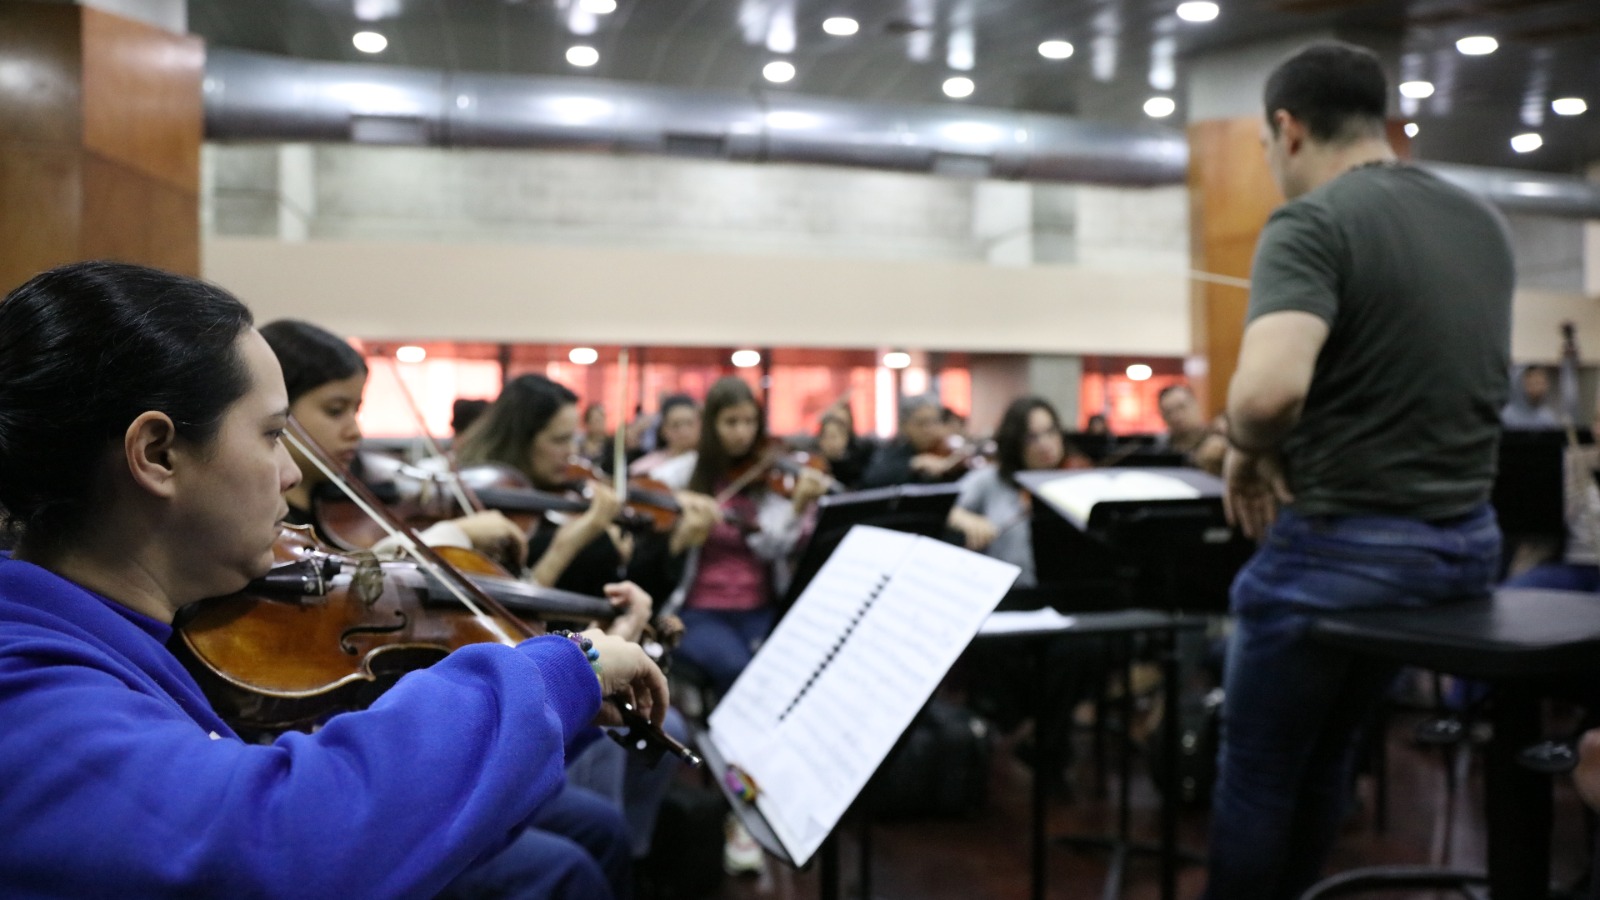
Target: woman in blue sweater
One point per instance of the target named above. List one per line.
(141, 470)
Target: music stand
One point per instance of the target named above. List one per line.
(1168, 553)
(1528, 494)
(913, 508)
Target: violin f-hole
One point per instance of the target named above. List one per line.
(402, 622)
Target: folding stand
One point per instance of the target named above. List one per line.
(1169, 555)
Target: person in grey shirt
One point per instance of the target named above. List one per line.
(1531, 407)
(1363, 422)
(991, 512)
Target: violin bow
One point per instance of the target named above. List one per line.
(474, 598)
(465, 496)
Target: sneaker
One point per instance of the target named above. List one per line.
(741, 855)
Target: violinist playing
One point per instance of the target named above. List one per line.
(727, 606)
(142, 469)
(531, 427)
(326, 378)
(992, 512)
(922, 452)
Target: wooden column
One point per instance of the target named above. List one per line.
(1231, 194)
(100, 132)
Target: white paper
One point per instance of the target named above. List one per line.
(844, 673)
(1013, 622)
(1077, 495)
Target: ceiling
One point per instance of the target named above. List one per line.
(905, 49)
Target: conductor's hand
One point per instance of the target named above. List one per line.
(1255, 489)
(626, 672)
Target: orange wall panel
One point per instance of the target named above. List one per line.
(141, 98)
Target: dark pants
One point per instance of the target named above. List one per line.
(575, 848)
(1293, 705)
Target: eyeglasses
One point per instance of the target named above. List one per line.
(1039, 437)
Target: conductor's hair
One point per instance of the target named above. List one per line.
(1338, 90)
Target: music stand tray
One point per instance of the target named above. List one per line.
(913, 508)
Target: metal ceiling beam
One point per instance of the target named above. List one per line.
(253, 96)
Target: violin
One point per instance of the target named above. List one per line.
(646, 502)
(778, 469)
(323, 633)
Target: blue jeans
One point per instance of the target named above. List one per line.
(719, 641)
(623, 777)
(1559, 577)
(1294, 706)
(574, 848)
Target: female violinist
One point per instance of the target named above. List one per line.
(530, 427)
(142, 468)
(326, 378)
(727, 607)
(991, 512)
(678, 433)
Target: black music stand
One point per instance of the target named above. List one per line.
(913, 508)
(1177, 555)
(1174, 555)
(1528, 491)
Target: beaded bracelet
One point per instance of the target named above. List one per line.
(584, 644)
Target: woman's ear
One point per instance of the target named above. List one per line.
(147, 448)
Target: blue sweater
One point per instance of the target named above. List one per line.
(118, 779)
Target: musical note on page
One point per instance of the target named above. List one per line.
(847, 669)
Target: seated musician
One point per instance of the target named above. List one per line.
(1532, 406)
(530, 427)
(142, 470)
(847, 454)
(920, 453)
(994, 515)
(1577, 570)
(677, 433)
(326, 379)
(1202, 443)
(992, 512)
(727, 605)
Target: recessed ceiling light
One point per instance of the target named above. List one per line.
(1412, 129)
(1569, 106)
(841, 26)
(1527, 143)
(959, 87)
(583, 356)
(1197, 11)
(746, 359)
(369, 41)
(1055, 49)
(896, 359)
(1139, 372)
(598, 7)
(1159, 107)
(1478, 45)
(777, 71)
(1416, 90)
(410, 353)
(583, 56)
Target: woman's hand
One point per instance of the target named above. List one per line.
(603, 508)
(634, 607)
(628, 674)
(808, 486)
(976, 530)
(495, 536)
(699, 514)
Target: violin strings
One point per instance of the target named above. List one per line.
(406, 543)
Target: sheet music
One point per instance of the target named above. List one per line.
(1076, 496)
(847, 669)
(1017, 622)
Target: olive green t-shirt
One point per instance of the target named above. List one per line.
(1414, 278)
